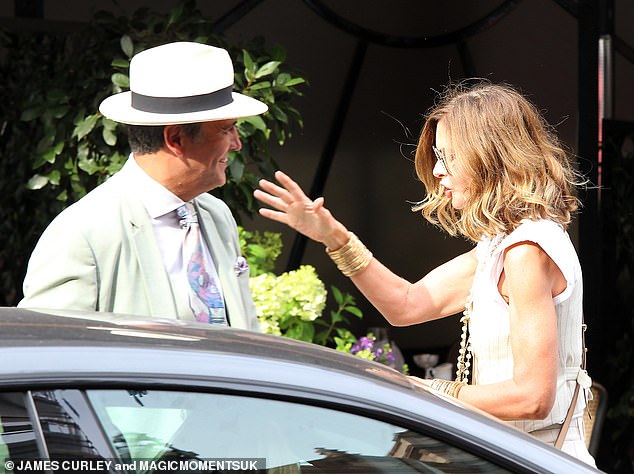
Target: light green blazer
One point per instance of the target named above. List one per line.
(101, 254)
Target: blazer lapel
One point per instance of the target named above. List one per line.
(155, 280)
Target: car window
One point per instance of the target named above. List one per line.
(291, 437)
(17, 438)
(69, 426)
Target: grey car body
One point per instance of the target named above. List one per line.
(72, 353)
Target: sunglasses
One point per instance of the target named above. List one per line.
(441, 157)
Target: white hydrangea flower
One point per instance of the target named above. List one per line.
(296, 294)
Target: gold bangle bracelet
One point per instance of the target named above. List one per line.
(352, 257)
(449, 387)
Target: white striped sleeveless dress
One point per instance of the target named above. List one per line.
(489, 328)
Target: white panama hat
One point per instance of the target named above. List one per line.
(182, 82)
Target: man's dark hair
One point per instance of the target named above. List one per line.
(145, 139)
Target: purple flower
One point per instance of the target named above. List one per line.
(378, 353)
(362, 344)
(241, 266)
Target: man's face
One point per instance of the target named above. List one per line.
(207, 153)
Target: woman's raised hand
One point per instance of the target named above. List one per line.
(292, 207)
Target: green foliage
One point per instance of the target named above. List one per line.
(345, 305)
(292, 304)
(55, 146)
(260, 249)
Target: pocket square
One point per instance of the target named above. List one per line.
(241, 266)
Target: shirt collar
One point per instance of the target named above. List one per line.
(156, 199)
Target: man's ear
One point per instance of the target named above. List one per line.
(173, 137)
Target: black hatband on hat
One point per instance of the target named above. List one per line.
(180, 105)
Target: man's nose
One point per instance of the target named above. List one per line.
(236, 144)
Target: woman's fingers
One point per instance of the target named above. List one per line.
(275, 190)
(318, 204)
(288, 204)
(282, 197)
(295, 191)
(271, 200)
(274, 215)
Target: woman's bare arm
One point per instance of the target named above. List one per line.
(440, 293)
(531, 280)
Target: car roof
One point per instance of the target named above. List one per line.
(56, 349)
(34, 329)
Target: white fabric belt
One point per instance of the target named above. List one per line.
(579, 375)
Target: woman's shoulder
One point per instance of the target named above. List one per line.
(553, 239)
(540, 225)
(542, 232)
(549, 235)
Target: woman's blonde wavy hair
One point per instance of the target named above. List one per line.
(515, 165)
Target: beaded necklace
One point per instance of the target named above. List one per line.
(465, 353)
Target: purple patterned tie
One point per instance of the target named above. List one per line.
(205, 300)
